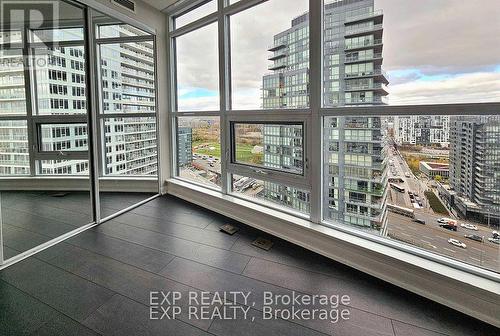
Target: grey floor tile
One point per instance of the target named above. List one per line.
(366, 294)
(165, 226)
(43, 208)
(212, 279)
(194, 219)
(122, 316)
(124, 279)
(59, 249)
(289, 254)
(9, 252)
(20, 239)
(61, 290)
(215, 280)
(133, 254)
(30, 222)
(21, 314)
(253, 324)
(467, 326)
(62, 325)
(173, 203)
(176, 246)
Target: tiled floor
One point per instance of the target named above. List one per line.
(32, 218)
(99, 282)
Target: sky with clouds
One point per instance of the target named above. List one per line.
(435, 51)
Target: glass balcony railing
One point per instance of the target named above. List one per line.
(362, 87)
(357, 58)
(364, 16)
(360, 30)
(367, 73)
(363, 44)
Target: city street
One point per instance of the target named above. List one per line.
(430, 236)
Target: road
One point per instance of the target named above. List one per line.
(434, 238)
(430, 236)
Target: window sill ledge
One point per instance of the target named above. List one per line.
(468, 292)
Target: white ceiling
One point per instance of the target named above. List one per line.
(160, 4)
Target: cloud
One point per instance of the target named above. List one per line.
(431, 49)
(445, 36)
(464, 88)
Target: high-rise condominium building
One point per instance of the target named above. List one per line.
(355, 178)
(475, 166)
(422, 130)
(184, 146)
(127, 86)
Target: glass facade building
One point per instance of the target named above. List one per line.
(354, 167)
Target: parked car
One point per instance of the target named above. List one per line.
(494, 240)
(474, 237)
(457, 243)
(419, 221)
(469, 226)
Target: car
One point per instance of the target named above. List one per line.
(456, 243)
(474, 237)
(469, 226)
(441, 220)
(494, 240)
(419, 221)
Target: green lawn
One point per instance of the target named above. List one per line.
(435, 203)
(243, 152)
(206, 150)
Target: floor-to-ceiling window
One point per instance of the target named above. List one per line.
(344, 113)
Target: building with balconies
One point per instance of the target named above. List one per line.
(353, 75)
(475, 166)
(422, 130)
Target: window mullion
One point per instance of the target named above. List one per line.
(314, 130)
(224, 92)
(30, 102)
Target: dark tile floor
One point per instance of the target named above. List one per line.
(32, 218)
(99, 282)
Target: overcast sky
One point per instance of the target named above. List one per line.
(436, 51)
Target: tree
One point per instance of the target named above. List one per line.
(438, 178)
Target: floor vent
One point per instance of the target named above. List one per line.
(127, 4)
(263, 243)
(229, 229)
